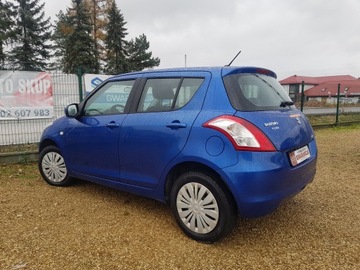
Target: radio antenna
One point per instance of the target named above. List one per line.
(233, 59)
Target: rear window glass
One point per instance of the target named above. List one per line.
(255, 92)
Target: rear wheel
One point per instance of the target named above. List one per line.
(202, 208)
(52, 167)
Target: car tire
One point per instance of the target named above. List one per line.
(201, 207)
(52, 167)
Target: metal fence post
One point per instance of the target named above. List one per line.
(302, 96)
(80, 74)
(337, 105)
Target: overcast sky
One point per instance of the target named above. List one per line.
(307, 37)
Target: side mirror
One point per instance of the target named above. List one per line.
(72, 110)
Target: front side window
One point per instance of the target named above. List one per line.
(111, 98)
(255, 92)
(165, 94)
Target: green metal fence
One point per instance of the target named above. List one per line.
(331, 110)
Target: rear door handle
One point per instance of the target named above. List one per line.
(176, 125)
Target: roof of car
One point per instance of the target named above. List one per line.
(224, 70)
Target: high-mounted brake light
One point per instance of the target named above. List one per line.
(266, 72)
(242, 134)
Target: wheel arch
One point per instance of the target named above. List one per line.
(46, 143)
(181, 168)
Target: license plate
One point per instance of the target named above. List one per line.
(299, 155)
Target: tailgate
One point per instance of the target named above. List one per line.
(287, 129)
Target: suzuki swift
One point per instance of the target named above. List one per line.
(214, 143)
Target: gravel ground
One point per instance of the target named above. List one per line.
(91, 227)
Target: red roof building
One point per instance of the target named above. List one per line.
(347, 88)
(315, 80)
(325, 86)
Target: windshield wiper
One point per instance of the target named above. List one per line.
(283, 104)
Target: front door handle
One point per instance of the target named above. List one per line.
(112, 124)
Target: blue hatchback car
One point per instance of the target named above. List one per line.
(214, 143)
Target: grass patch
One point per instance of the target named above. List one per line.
(347, 127)
(27, 171)
(316, 120)
(30, 147)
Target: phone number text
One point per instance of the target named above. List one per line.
(25, 113)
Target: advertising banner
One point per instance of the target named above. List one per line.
(93, 80)
(25, 95)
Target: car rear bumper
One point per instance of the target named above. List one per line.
(261, 181)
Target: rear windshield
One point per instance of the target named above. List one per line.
(255, 92)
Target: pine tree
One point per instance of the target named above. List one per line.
(115, 43)
(139, 58)
(74, 43)
(85, 31)
(5, 26)
(97, 11)
(62, 29)
(30, 36)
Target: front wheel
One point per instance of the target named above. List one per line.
(52, 167)
(202, 208)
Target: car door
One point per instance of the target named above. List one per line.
(157, 132)
(92, 140)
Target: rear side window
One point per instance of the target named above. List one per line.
(166, 94)
(255, 92)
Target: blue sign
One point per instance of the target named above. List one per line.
(96, 81)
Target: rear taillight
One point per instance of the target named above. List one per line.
(242, 134)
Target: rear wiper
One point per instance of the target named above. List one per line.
(283, 104)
